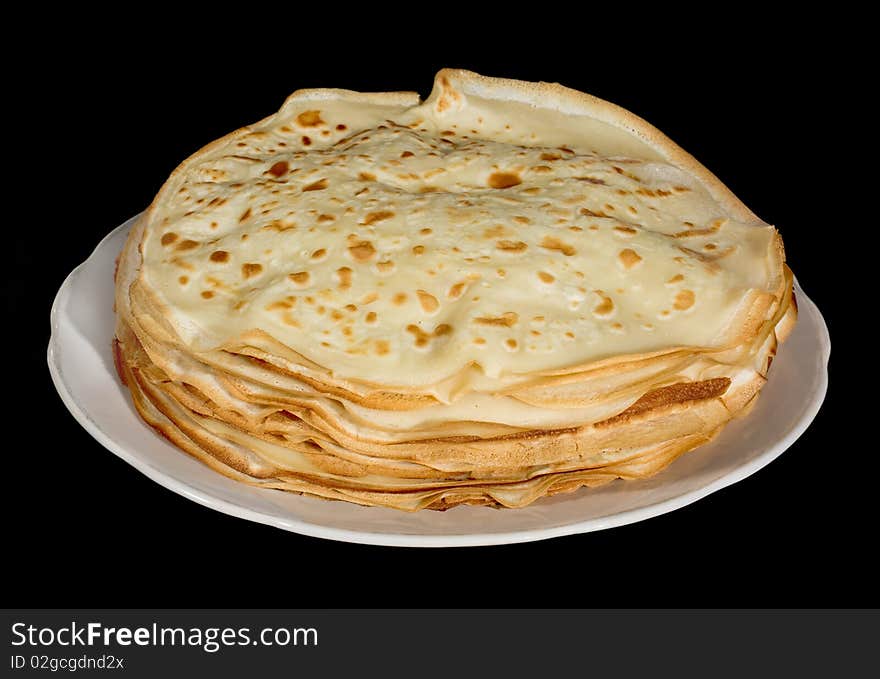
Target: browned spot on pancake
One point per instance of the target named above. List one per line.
(546, 277)
(428, 301)
(586, 212)
(447, 96)
(385, 265)
(306, 141)
(367, 177)
(553, 243)
(319, 185)
(286, 303)
(495, 231)
(183, 280)
(605, 307)
(309, 119)
(250, 269)
(344, 275)
(279, 226)
(382, 347)
(503, 180)
(677, 278)
(418, 249)
(675, 393)
(341, 127)
(456, 290)
(245, 215)
(629, 258)
(710, 263)
(279, 169)
(318, 254)
(220, 256)
(591, 180)
(511, 246)
(407, 154)
(712, 228)
(207, 294)
(378, 216)
(399, 298)
(511, 343)
(370, 317)
(550, 156)
(361, 250)
(186, 245)
(684, 300)
(626, 231)
(479, 340)
(423, 338)
(168, 238)
(324, 218)
(300, 278)
(508, 319)
(519, 219)
(369, 298)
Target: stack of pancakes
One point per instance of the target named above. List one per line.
(507, 291)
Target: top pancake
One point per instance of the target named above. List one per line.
(526, 229)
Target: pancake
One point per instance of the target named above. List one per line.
(507, 291)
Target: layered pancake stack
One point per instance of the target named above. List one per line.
(507, 291)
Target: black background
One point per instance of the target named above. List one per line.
(105, 120)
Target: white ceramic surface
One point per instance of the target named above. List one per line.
(81, 363)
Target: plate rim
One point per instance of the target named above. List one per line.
(396, 539)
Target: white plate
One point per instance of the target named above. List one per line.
(81, 363)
